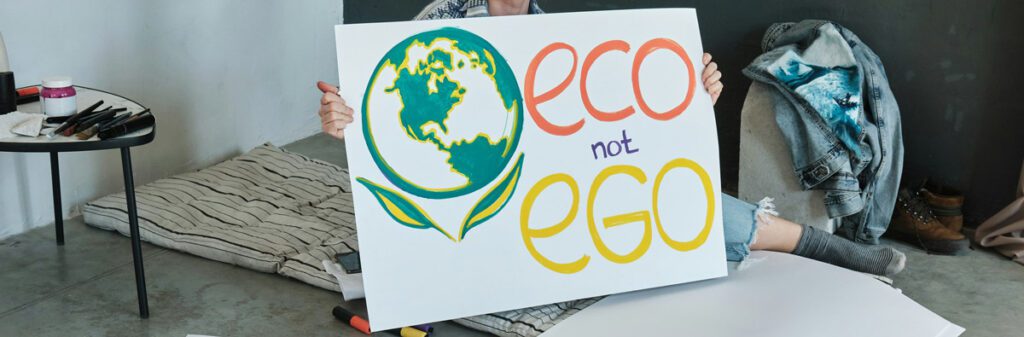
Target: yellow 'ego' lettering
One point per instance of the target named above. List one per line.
(620, 219)
(529, 233)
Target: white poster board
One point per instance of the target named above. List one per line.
(500, 163)
(775, 295)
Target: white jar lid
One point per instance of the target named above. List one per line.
(57, 82)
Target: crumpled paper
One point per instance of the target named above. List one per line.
(19, 123)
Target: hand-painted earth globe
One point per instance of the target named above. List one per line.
(442, 114)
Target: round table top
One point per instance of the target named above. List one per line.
(85, 98)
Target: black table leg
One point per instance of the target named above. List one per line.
(133, 227)
(58, 211)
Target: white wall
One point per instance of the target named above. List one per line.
(221, 76)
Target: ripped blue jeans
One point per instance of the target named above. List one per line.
(739, 223)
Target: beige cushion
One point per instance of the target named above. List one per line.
(276, 212)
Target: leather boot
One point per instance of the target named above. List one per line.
(946, 204)
(914, 223)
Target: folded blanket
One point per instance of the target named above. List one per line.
(1004, 231)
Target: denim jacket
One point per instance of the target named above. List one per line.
(838, 115)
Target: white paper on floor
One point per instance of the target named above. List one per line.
(782, 295)
(351, 285)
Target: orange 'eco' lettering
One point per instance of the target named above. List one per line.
(532, 100)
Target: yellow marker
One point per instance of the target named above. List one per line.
(412, 332)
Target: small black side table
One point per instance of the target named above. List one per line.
(42, 144)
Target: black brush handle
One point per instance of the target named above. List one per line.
(70, 121)
(115, 121)
(103, 116)
(128, 127)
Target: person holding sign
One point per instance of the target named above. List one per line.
(746, 226)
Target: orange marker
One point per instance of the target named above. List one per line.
(352, 319)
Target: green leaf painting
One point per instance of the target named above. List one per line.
(494, 200)
(400, 208)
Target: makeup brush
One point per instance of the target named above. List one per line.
(89, 122)
(132, 125)
(114, 121)
(122, 121)
(92, 119)
(102, 123)
(87, 133)
(69, 122)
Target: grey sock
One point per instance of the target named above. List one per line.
(822, 246)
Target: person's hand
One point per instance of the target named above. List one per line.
(334, 114)
(712, 78)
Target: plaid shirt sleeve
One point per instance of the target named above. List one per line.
(457, 9)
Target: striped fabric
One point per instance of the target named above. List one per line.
(276, 212)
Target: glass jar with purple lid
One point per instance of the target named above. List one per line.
(58, 96)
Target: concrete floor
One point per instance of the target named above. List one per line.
(86, 288)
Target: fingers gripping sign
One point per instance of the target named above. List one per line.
(335, 114)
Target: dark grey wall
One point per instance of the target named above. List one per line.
(954, 67)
